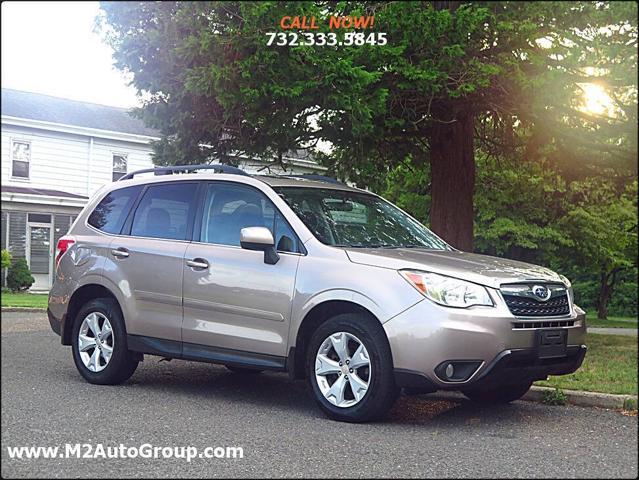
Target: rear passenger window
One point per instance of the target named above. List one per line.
(164, 211)
(111, 212)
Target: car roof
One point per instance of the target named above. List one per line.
(282, 181)
(274, 181)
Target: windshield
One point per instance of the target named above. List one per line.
(358, 220)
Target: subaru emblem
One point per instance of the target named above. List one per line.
(541, 292)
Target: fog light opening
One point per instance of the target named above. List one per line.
(450, 370)
(457, 370)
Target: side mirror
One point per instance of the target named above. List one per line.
(260, 238)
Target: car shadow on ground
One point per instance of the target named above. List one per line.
(198, 381)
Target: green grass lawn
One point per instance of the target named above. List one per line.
(611, 322)
(30, 300)
(610, 366)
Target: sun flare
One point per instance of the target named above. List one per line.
(595, 100)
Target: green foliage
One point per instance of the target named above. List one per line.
(554, 397)
(212, 80)
(19, 276)
(556, 183)
(515, 209)
(6, 259)
(623, 302)
(630, 404)
(602, 225)
(407, 187)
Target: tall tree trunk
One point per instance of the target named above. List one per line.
(453, 180)
(606, 287)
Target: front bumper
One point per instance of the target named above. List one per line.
(426, 335)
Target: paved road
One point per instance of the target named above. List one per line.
(46, 403)
(629, 332)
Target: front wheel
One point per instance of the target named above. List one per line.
(99, 343)
(350, 369)
(498, 395)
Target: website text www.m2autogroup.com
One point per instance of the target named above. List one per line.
(101, 451)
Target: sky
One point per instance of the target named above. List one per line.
(51, 48)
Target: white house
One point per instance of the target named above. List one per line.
(55, 154)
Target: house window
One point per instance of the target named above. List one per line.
(20, 159)
(119, 166)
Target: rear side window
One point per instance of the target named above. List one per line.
(164, 211)
(111, 212)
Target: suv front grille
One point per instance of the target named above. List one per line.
(522, 300)
(527, 307)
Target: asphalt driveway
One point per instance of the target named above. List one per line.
(46, 403)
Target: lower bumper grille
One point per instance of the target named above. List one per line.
(554, 324)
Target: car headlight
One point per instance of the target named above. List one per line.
(447, 291)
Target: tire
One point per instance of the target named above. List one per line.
(243, 370)
(121, 363)
(498, 395)
(380, 393)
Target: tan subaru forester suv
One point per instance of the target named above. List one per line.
(306, 276)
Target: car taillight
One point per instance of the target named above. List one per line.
(63, 245)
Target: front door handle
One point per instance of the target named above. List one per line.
(198, 264)
(120, 252)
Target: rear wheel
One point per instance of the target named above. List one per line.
(499, 394)
(350, 369)
(99, 343)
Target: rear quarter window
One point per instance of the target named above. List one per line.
(164, 211)
(111, 212)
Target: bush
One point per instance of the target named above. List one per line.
(554, 397)
(19, 276)
(624, 300)
(6, 259)
(630, 404)
(586, 294)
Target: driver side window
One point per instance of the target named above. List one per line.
(228, 208)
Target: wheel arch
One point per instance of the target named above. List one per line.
(315, 317)
(80, 297)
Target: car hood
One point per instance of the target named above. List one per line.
(481, 269)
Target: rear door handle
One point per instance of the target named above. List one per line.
(198, 264)
(120, 252)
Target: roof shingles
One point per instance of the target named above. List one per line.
(35, 106)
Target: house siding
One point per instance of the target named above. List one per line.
(68, 162)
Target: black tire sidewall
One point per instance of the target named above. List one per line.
(122, 363)
(381, 392)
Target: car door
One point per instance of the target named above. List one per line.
(232, 298)
(146, 260)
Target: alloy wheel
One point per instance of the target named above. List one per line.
(343, 369)
(95, 341)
